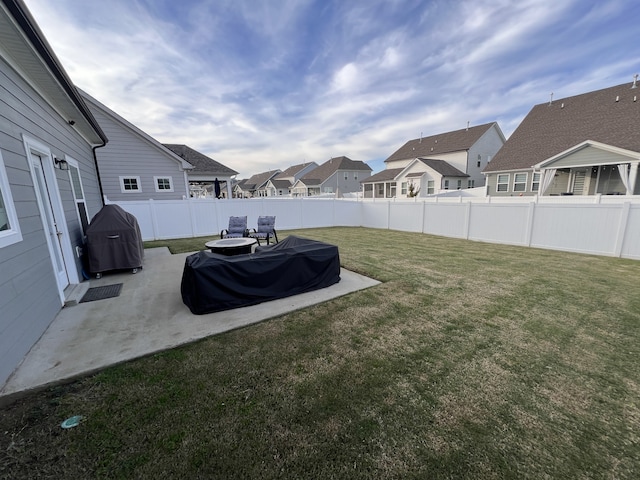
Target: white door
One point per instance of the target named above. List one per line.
(51, 224)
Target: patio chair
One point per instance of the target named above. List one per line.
(237, 228)
(266, 230)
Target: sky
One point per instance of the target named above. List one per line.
(260, 85)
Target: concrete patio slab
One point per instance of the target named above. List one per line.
(148, 316)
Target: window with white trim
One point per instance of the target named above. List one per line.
(163, 184)
(503, 183)
(9, 227)
(78, 193)
(346, 175)
(535, 182)
(130, 184)
(446, 184)
(403, 188)
(431, 185)
(520, 182)
(459, 184)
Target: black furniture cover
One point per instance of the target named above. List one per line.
(114, 241)
(213, 282)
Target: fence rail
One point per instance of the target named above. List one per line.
(595, 225)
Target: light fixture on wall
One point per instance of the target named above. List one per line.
(61, 163)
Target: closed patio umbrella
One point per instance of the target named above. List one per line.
(216, 187)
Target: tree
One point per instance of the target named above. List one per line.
(412, 191)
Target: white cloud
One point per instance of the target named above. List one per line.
(346, 78)
(258, 85)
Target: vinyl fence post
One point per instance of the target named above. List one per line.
(622, 228)
(302, 212)
(467, 220)
(529, 231)
(333, 213)
(216, 216)
(192, 218)
(154, 219)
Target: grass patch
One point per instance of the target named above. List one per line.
(470, 360)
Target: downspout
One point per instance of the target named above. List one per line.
(95, 161)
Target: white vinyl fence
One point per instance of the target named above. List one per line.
(601, 226)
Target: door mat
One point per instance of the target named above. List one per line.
(100, 293)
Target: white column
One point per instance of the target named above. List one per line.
(229, 190)
(633, 176)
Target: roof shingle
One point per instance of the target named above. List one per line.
(609, 116)
(201, 163)
(383, 176)
(443, 168)
(259, 179)
(293, 170)
(331, 166)
(441, 143)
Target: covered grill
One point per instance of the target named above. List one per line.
(114, 241)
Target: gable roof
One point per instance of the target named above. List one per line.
(328, 168)
(441, 143)
(280, 183)
(259, 179)
(22, 39)
(293, 170)
(609, 116)
(242, 184)
(201, 163)
(383, 176)
(616, 154)
(443, 168)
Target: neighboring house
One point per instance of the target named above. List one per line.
(255, 186)
(582, 145)
(277, 188)
(337, 176)
(447, 161)
(382, 184)
(281, 184)
(205, 172)
(241, 189)
(439, 175)
(133, 165)
(49, 187)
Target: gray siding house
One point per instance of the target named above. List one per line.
(336, 176)
(446, 161)
(133, 165)
(49, 185)
(281, 184)
(254, 186)
(587, 144)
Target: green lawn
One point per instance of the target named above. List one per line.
(470, 360)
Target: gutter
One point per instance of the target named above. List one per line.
(23, 18)
(27, 23)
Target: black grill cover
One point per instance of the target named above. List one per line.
(114, 241)
(213, 282)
